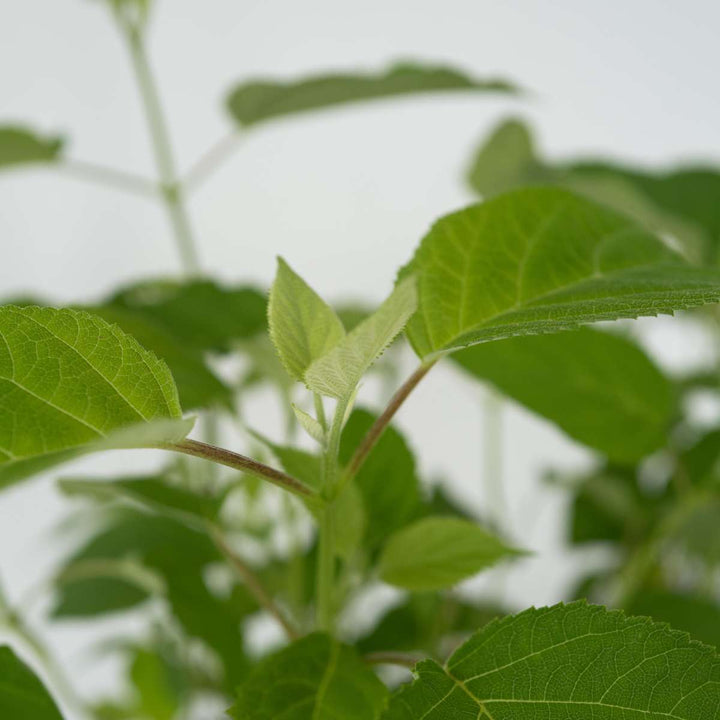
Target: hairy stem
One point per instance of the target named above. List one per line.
(253, 584)
(234, 460)
(326, 550)
(170, 187)
(378, 427)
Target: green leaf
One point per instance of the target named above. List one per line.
(438, 552)
(568, 661)
(338, 372)
(257, 101)
(309, 424)
(72, 383)
(693, 614)
(22, 695)
(160, 685)
(180, 555)
(387, 481)
(20, 146)
(679, 201)
(542, 260)
(154, 492)
(200, 314)
(601, 389)
(315, 677)
(303, 326)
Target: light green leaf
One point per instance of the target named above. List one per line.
(257, 101)
(568, 662)
(601, 389)
(309, 424)
(22, 695)
(20, 146)
(303, 326)
(680, 201)
(338, 372)
(542, 260)
(438, 552)
(315, 677)
(69, 383)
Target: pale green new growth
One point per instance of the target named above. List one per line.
(69, 381)
(438, 552)
(315, 677)
(22, 695)
(303, 327)
(337, 373)
(542, 260)
(308, 423)
(568, 662)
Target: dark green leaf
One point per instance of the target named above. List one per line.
(257, 101)
(315, 677)
(538, 261)
(568, 662)
(19, 146)
(22, 695)
(387, 481)
(601, 389)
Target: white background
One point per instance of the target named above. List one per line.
(344, 195)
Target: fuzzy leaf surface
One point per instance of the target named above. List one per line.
(69, 381)
(338, 372)
(303, 327)
(258, 101)
(438, 552)
(22, 695)
(600, 388)
(315, 677)
(541, 260)
(20, 146)
(568, 661)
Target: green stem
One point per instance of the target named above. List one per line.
(326, 550)
(170, 187)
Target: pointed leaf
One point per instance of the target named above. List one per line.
(69, 380)
(309, 424)
(438, 552)
(542, 260)
(315, 677)
(257, 101)
(568, 661)
(338, 372)
(303, 326)
(601, 389)
(22, 695)
(20, 146)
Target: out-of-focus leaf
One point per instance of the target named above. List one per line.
(180, 555)
(684, 201)
(699, 462)
(694, 614)
(541, 260)
(200, 314)
(338, 371)
(152, 491)
(72, 383)
(438, 552)
(315, 677)
(20, 146)
(697, 534)
(601, 389)
(387, 480)
(22, 695)
(159, 685)
(568, 661)
(257, 101)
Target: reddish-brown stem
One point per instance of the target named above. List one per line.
(378, 427)
(245, 464)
